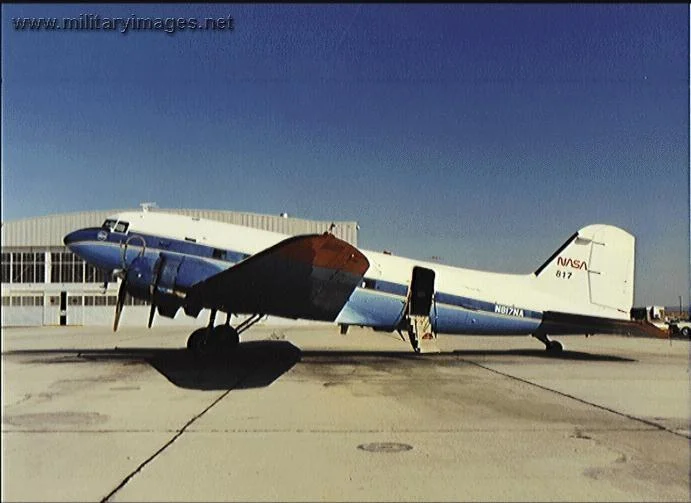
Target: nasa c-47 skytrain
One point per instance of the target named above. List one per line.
(185, 263)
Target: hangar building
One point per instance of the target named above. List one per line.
(43, 283)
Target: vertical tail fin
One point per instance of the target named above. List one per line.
(593, 271)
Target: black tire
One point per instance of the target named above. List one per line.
(555, 347)
(195, 340)
(686, 332)
(225, 339)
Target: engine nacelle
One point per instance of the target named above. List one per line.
(168, 277)
(173, 276)
(177, 273)
(139, 277)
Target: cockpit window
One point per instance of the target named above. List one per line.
(109, 224)
(113, 225)
(121, 226)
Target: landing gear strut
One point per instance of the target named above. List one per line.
(211, 341)
(552, 347)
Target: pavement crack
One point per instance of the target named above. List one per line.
(179, 433)
(581, 400)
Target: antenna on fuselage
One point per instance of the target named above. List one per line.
(147, 206)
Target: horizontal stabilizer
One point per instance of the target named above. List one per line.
(309, 276)
(566, 323)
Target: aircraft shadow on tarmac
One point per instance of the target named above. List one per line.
(541, 353)
(257, 364)
(337, 355)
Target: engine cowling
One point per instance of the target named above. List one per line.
(140, 277)
(165, 280)
(173, 276)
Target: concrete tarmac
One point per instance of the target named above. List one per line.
(307, 414)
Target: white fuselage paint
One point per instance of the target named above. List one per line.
(511, 295)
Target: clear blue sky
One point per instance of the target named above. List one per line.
(482, 134)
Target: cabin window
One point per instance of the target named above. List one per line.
(219, 254)
(121, 227)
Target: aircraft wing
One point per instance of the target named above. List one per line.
(554, 322)
(310, 276)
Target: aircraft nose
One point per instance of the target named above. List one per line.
(70, 238)
(81, 236)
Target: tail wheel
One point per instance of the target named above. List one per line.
(554, 347)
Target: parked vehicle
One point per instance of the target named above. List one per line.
(680, 327)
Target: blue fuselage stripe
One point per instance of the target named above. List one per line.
(161, 244)
(450, 312)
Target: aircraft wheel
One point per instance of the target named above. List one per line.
(201, 344)
(196, 339)
(226, 339)
(554, 347)
(686, 332)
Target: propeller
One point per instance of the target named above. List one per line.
(122, 295)
(125, 275)
(153, 289)
(152, 311)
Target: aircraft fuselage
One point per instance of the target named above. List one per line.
(464, 301)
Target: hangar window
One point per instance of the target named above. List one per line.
(5, 267)
(27, 267)
(16, 301)
(5, 301)
(16, 268)
(99, 300)
(74, 300)
(40, 267)
(66, 267)
(54, 300)
(28, 270)
(93, 274)
(32, 300)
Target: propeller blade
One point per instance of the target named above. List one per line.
(122, 293)
(152, 312)
(153, 288)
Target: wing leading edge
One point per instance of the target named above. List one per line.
(309, 276)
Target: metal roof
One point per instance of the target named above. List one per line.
(48, 231)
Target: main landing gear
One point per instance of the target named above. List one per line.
(218, 341)
(211, 341)
(552, 347)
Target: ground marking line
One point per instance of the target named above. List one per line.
(566, 395)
